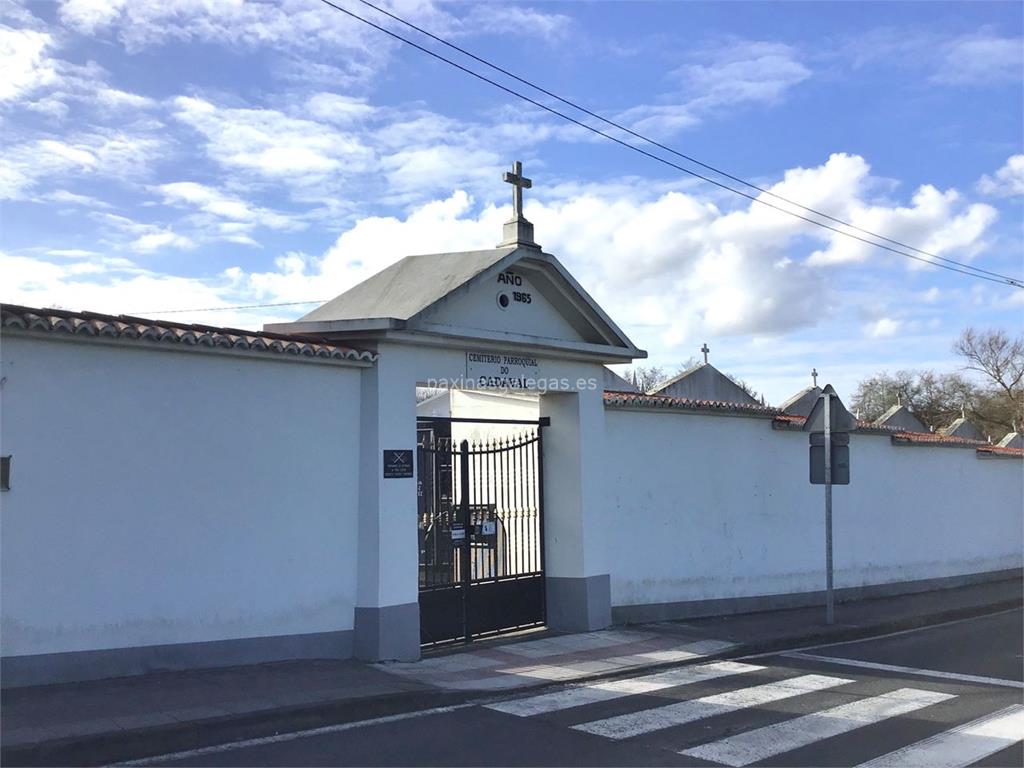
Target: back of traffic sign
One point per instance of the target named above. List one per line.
(841, 420)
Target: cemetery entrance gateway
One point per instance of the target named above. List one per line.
(481, 528)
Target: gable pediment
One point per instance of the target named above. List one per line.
(518, 296)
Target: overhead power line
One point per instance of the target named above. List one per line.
(223, 308)
(677, 153)
(927, 257)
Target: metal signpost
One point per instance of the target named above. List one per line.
(829, 596)
(829, 465)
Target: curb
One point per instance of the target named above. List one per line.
(845, 634)
(154, 741)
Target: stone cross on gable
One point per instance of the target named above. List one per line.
(519, 183)
(517, 230)
(705, 349)
(814, 376)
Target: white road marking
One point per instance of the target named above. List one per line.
(907, 670)
(277, 739)
(657, 718)
(571, 670)
(615, 689)
(760, 743)
(961, 746)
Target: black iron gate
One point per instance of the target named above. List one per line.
(481, 531)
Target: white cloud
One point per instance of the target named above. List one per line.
(1008, 181)
(937, 222)
(72, 198)
(271, 144)
(742, 72)
(72, 253)
(304, 34)
(235, 214)
(90, 15)
(982, 59)
(882, 328)
(23, 61)
(439, 167)
(500, 18)
(723, 76)
(35, 80)
(111, 154)
(139, 236)
(116, 286)
(290, 24)
(338, 109)
(155, 241)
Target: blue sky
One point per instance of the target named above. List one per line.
(175, 154)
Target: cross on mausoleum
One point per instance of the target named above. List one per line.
(519, 182)
(705, 349)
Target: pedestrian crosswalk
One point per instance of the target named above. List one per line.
(658, 718)
(751, 746)
(740, 714)
(615, 689)
(963, 745)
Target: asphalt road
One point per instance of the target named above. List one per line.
(955, 694)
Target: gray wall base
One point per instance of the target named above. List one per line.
(579, 604)
(391, 633)
(74, 666)
(693, 609)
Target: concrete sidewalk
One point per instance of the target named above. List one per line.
(105, 721)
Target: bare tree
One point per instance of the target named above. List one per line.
(1000, 360)
(935, 398)
(745, 387)
(645, 377)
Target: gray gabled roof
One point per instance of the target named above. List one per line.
(615, 383)
(704, 382)
(397, 303)
(900, 416)
(963, 428)
(802, 402)
(409, 286)
(1011, 440)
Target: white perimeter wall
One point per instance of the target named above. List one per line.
(708, 507)
(167, 497)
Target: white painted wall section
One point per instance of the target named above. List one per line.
(706, 507)
(174, 497)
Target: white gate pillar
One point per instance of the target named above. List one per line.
(387, 616)
(578, 584)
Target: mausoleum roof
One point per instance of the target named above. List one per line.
(802, 402)
(900, 416)
(963, 428)
(704, 382)
(95, 325)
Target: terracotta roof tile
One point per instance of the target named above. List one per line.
(93, 324)
(935, 438)
(998, 450)
(794, 421)
(640, 400)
